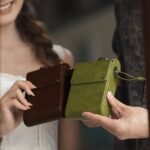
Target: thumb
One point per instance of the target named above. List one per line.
(115, 103)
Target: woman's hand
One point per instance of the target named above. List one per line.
(12, 105)
(126, 122)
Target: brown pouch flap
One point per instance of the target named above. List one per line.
(47, 76)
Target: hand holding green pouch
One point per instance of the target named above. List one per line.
(89, 86)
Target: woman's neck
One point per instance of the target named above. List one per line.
(9, 36)
(17, 57)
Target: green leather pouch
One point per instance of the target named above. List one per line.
(89, 85)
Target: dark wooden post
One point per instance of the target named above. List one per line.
(146, 31)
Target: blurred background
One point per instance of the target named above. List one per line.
(86, 28)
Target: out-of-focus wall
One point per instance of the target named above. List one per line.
(89, 38)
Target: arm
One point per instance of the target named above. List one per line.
(69, 135)
(69, 131)
(126, 122)
(68, 57)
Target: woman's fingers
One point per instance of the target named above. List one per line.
(16, 94)
(90, 123)
(103, 121)
(31, 85)
(24, 85)
(20, 97)
(19, 105)
(111, 125)
(116, 105)
(12, 104)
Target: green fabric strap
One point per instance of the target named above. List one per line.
(128, 77)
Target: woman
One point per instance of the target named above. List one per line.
(25, 46)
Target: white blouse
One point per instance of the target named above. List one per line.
(40, 137)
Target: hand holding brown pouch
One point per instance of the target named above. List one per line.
(49, 102)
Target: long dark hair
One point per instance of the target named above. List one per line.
(33, 32)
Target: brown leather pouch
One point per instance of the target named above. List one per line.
(51, 94)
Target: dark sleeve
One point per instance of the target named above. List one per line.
(129, 46)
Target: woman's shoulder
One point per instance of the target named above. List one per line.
(64, 54)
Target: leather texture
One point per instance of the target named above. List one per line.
(53, 85)
(89, 85)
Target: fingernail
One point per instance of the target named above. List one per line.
(83, 114)
(29, 104)
(34, 87)
(28, 107)
(31, 93)
(109, 94)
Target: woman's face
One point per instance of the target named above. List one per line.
(9, 10)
